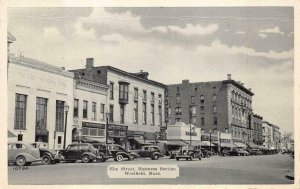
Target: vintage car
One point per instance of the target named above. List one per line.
(117, 152)
(205, 153)
(255, 152)
(82, 151)
(188, 153)
(150, 151)
(173, 153)
(242, 152)
(48, 156)
(22, 154)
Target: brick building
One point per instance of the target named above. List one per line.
(257, 129)
(224, 106)
(134, 103)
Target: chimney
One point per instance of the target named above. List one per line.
(89, 63)
(228, 76)
(185, 81)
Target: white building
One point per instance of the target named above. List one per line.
(184, 132)
(37, 97)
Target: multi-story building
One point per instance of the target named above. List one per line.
(89, 113)
(257, 129)
(276, 136)
(224, 106)
(40, 96)
(267, 132)
(134, 102)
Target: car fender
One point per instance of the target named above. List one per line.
(49, 154)
(28, 157)
(123, 154)
(91, 155)
(158, 154)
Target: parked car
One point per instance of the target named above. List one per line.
(233, 152)
(82, 151)
(22, 154)
(48, 156)
(225, 152)
(206, 153)
(188, 153)
(255, 152)
(173, 153)
(242, 152)
(150, 151)
(115, 151)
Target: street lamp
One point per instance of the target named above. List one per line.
(106, 126)
(210, 139)
(66, 107)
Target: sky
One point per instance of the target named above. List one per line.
(254, 44)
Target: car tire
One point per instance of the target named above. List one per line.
(85, 158)
(101, 158)
(177, 159)
(20, 161)
(119, 157)
(46, 159)
(155, 157)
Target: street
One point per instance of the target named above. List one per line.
(265, 169)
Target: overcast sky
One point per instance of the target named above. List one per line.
(255, 45)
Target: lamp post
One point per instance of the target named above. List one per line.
(106, 127)
(66, 107)
(210, 139)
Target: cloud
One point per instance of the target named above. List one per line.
(52, 35)
(82, 33)
(262, 35)
(272, 30)
(114, 38)
(188, 30)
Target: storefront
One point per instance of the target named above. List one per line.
(117, 134)
(239, 143)
(137, 139)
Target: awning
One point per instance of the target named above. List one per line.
(240, 145)
(144, 142)
(227, 145)
(92, 139)
(252, 145)
(177, 143)
(10, 134)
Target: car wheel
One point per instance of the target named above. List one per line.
(20, 161)
(46, 159)
(187, 159)
(119, 158)
(101, 158)
(155, 157)
(177, 159)
(85, 158)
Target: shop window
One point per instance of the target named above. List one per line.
(20, 111)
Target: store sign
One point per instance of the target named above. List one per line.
(92, 124)
(190, 133)
(117, 127)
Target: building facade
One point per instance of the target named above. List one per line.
(89, 111)
(134, 103)
(257, 129)
(40, 96)
(224, 106)
(276, 136)
(267, 132)
(185, 132)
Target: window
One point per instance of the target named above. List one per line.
(152, 97)
(41, 113)
(135, 112)
(111, 113)
(75, 112)
(102, 114)
(201, 99)
(202, 121)
(201, 107)
(20, 137)
(136, 93)
(152, 114)
(214, 109)
(178, 111)
(122, 112)
(193, 110)
(160, 115)
(59, 124)
(85, 109)
(144, 95)
(194, 120)
(159, 99)
(111, 90)
(123, 91)
(59, 140)
(20, 111)
(144, 113)
(94, 110)
(178, 120)
(214, 98)
(177, 98)
(192, 99)
(215, 121)
(177, 89)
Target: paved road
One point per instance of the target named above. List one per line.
(268, 169)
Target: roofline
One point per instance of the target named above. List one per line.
(233, 82)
